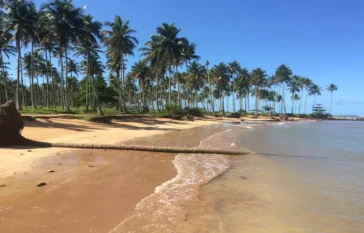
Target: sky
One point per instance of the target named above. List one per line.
(322, 40)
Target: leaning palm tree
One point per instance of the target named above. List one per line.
(306, 83)
(258, 79)
(283, 75)
(331, 88)
(18, 21)
(65, 23)
(120, 43)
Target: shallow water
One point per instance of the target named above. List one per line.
(307, 178)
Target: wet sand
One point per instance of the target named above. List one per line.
(85, 193)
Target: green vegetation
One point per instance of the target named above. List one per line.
(167, 81)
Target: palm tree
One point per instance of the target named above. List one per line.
(120, 43)
(65, 23)
(294, 87)
(315, 90)
(18, 20)
(210, 87)
(306, 83)
(258, 79)
(195, 74)
(234, 68)
(141, 72)
(331, 88)
(188, 53)
(283, 75)
(221, 76)
(5, 51)
(168, 47)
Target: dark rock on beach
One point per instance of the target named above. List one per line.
(41, 184)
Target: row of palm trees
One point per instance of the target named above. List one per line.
(167, 74)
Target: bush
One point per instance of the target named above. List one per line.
(235, 115)
(195, 112)
(175, 112)
(145, 109)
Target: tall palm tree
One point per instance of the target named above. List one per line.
(210, 87)
(19, 21)
(314, 90)
(65, 23)
(120, 43)
(331, 88)
(294, 88)
(258, 79)
(283, 75)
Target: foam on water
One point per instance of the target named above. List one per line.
(164, 210)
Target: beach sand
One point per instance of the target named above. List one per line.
(87, 190)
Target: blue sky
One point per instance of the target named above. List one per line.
(322, 40)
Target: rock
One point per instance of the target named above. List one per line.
(11, 125)
(283, 117)
(3, 185)
(51, 171)
(243, 177)
(21, 154)
(60, 164)
(29, 150)
(91, 166)
(41, 184)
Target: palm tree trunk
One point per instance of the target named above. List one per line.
(306, 100)
(32, 78)
(156, 91)
(240, 102)
(247, 99)
(47, 77)
(5, 79)
(87, 79)
(65, 87)
(299, 108)
(18, 106)
(178, 94)
(22, 85)
(169, 93)
(211, 92)
(99, 110)
(293, 101)
(331, 102)
(122, 85)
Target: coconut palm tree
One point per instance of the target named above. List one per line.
(210, 87)
(19, 21)
(64, 23)
(294, 87)
(283, 75)
(305, 84)
(120, 43)
(258, 79)
(331, 88)
(194, 78)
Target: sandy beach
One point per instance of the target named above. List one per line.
(86, 190)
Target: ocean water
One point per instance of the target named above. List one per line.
(300, 177)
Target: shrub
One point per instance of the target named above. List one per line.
(195, 112)
(235, 115)
(175, 112)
